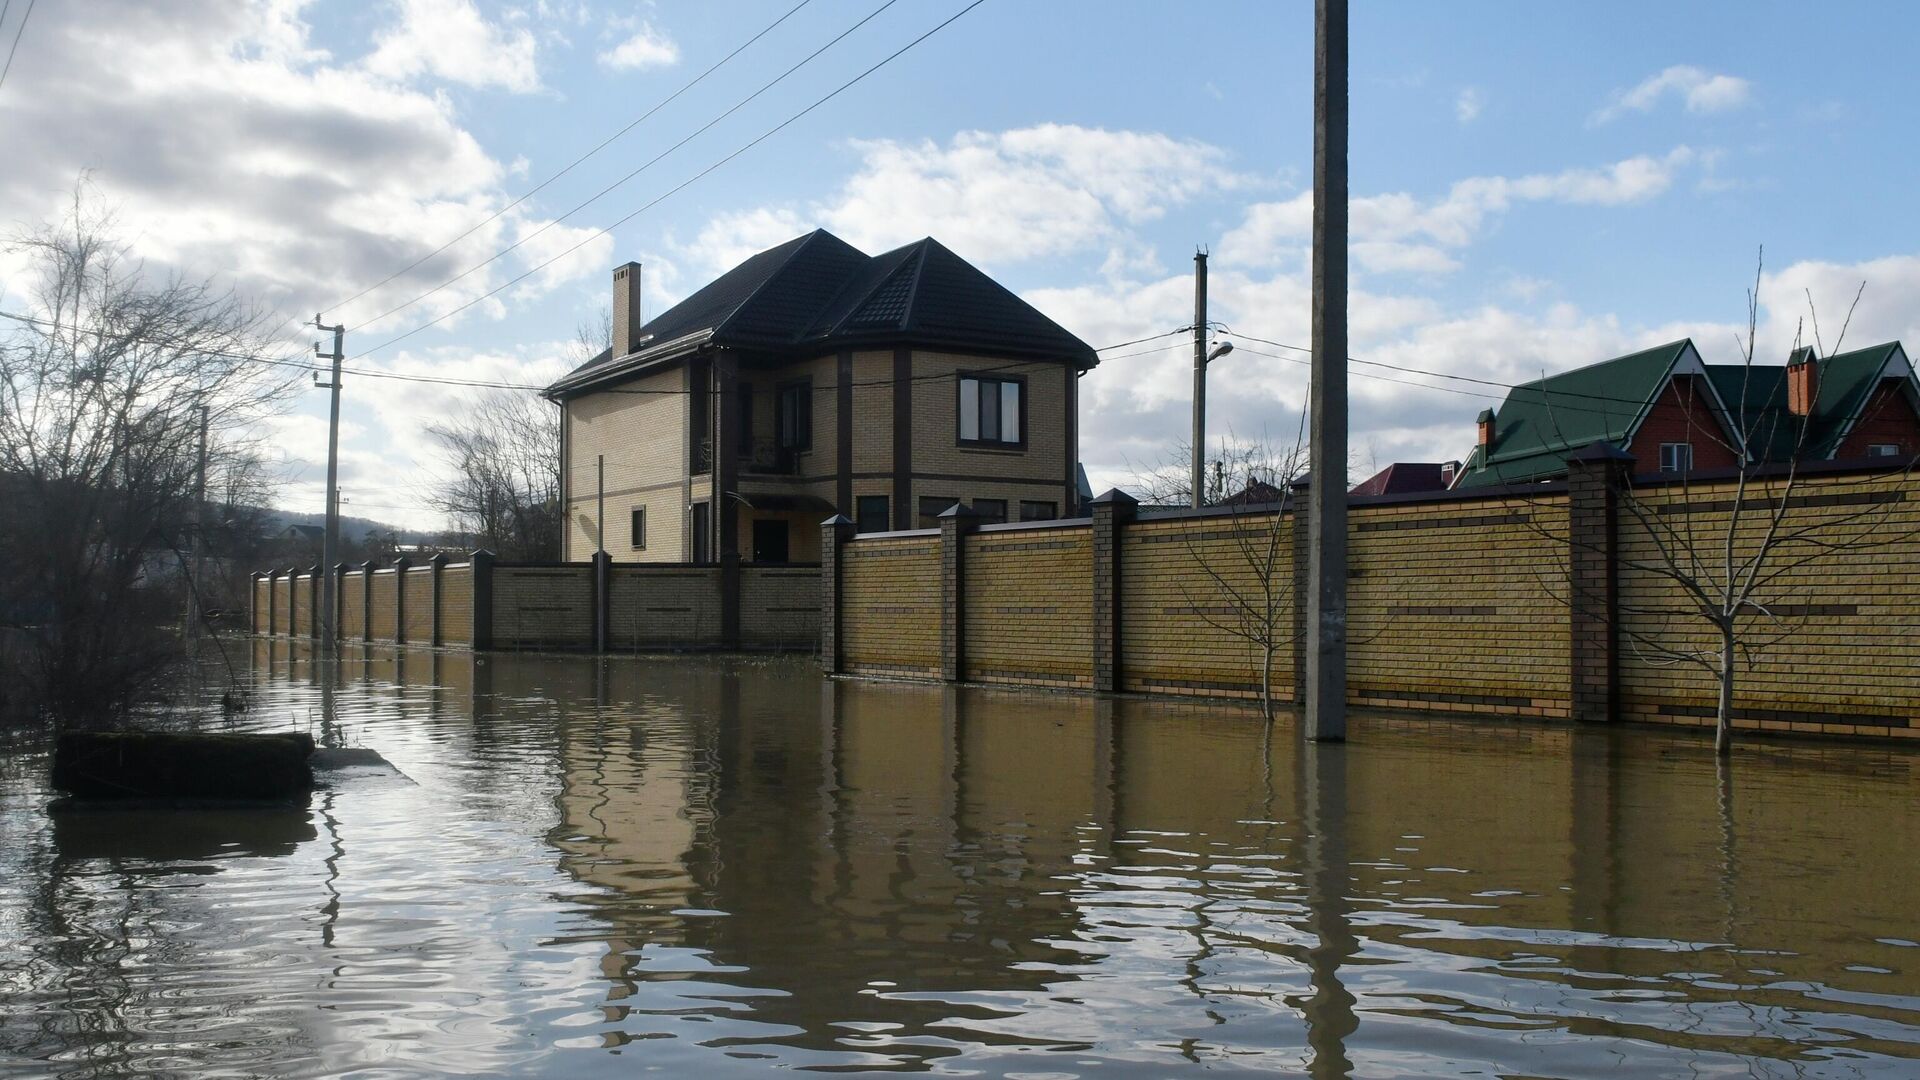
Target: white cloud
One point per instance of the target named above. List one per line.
(1467, 106)
(1702, 91)
(1398, 231)
(1022, 194)
(645, 47)
(451, 40)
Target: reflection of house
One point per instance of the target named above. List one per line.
(1676, 413)
(810, 379)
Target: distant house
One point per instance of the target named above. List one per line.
(297, 537)
(809, 380)
(1408, 477)
(1676, 413)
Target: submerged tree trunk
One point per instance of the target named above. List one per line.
(1266, 681)
(1723, 726)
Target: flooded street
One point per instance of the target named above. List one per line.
(717, 866)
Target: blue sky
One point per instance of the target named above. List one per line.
(1534, 188)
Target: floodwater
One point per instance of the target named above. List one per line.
(719, 867)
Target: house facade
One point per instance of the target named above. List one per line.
(1675, 413)
(810, 380)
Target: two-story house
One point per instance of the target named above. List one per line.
(809, 380)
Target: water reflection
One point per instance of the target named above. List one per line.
(714, 866)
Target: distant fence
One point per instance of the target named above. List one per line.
(485, 603)
(1518, 601)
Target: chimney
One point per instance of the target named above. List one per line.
(1448, 470)
(626, 308)
(1803, 382)
(1486, 433)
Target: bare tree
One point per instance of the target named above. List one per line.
(1730, 587)
(102, 385)
(503, 451)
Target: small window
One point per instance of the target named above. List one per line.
(992, 411)
(1883, 450)
(870, 514)
(1038, 511)
(795, 419)
(991, 511)
(931, 507)
(1676, 457)
(638, 527)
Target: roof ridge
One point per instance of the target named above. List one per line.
(805, 240)
(855, 308)
(919, 263)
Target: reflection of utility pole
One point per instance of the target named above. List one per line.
(196, 607)
(1199, 378)
(1326, 644)
(330, 545)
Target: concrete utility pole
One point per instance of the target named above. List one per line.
(1326, 644)
(195, 608)
(1199, 378)
(330, 545)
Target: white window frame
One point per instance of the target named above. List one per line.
(1883, 450)
(1680, 454)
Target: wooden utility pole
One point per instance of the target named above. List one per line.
(1199, 378)
(1326, 644)
(330, 544)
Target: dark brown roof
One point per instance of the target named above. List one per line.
(1403, 477)
(816, 293)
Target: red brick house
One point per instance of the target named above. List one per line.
(1676, 413)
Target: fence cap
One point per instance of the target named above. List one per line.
(1599, 453)
(838, 520)
(1115, 497)
(959, 511)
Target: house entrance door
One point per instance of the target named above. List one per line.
(769, 541)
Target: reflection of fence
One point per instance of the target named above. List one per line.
(1517, 601)
(484, 603)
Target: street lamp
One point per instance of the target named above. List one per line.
(1200, 421)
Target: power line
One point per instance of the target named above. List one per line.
(570, 166)
(769, 133)
(651, 162)
(19, 30)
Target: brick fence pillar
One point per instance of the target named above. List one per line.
(482, 563)
(1595, 478)
(835, 533)
(400, 566)
(602, 600)
(313, 601)
(1111, 513)
(339, 592)
(366, 600)
(956, 522)
(439, 564)
(273, 601)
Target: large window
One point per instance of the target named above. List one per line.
(795, 417)
(931, 507)
(1031, 510)
(1676, 457)
(992, 411)
(991, 511)
(870, 514)
(637, 527)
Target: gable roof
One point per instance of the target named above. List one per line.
(1403, 477)
(816, 292)
(1544, 420)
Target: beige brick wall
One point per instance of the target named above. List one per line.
(542, 606)
(936, 446)
(353, 605)
(262, 597)
(890, 605)
(644, 438)
(1179, 618)
(301, 606)
(1842, 641)
(780, 607)
(456, 604)
(872, 412)
(419, 588)
(1028, 604)
(1459, 600)
(385, 603)
(663, 607)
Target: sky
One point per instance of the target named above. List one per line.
(1533, 188)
